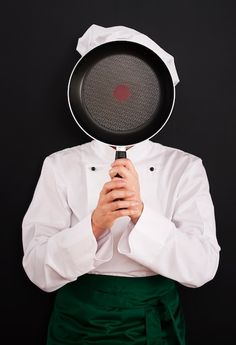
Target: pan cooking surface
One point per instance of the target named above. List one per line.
(121, 92)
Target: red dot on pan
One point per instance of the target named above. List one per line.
(121, 93)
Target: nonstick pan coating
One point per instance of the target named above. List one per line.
(121, 93)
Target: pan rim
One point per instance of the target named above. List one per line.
(106, 142)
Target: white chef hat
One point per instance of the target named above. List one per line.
(96, 35)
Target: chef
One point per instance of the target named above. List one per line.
(114, 247)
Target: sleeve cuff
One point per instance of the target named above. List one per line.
(144, 240)
(76, 250)
(104, 251)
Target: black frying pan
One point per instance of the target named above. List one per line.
(121, 93)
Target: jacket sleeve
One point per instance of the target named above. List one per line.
(55, 252)
(183, 248)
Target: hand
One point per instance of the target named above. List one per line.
(125, 169)
(114, 202)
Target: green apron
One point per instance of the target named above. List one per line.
(112, 310)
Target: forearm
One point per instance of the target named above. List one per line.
(51, 261)
(188, 256)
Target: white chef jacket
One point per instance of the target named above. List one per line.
(175, 235)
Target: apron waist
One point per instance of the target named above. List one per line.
(118, 310)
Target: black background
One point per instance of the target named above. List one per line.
(38, 41)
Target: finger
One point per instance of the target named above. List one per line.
(121, 171)
(120, 204)
(125, 162)
(123, 212)
(118, 194)
(114, 184)
(116, 178)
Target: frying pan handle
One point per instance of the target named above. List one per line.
(120, 153)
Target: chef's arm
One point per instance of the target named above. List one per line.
(183, 248)
(55, 252)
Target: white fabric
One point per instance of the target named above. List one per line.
(175, 235)
(97, 35)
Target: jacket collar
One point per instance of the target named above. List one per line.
(134, 153)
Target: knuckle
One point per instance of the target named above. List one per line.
(118, 204)
(115, 183)
(105, 186)
(113, 195)
(121, 212)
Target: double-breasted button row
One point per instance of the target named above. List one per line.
(151, 168)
